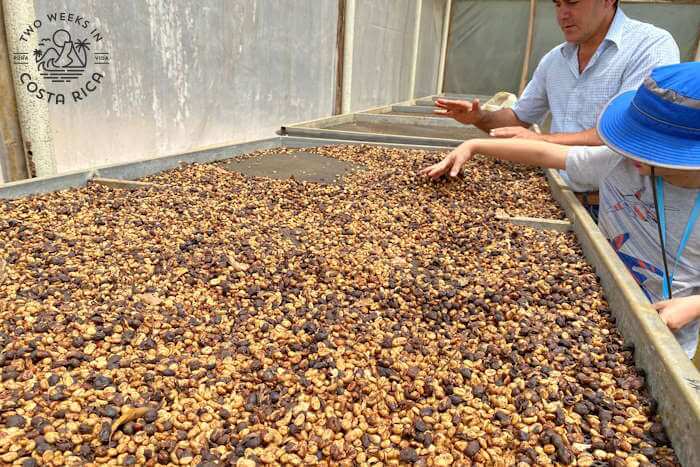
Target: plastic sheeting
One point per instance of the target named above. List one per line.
(428, 58)
(382, 58)
(3, 158)
(186, 75)
(681, 20)
(383, 51)
(485, 46)
(487, 39)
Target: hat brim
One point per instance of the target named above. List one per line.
(644, 143)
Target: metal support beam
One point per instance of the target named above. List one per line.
(528, 46)
(416, 45)
(33, 112)
(443, 49)
(14, 165)
(339, 58)
(348, 47)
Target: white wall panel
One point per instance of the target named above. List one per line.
(431, 24)
(186, 74)
(382, 57)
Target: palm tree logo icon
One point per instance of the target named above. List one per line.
(63, 60)
(81, 48)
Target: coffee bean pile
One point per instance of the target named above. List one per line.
(215, 319)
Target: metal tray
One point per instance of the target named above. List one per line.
(430, 100)
(406, 110)
(673, 380)
(381, 127)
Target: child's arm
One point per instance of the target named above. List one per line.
(521, 151)
(678, 312)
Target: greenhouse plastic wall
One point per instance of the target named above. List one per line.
(428, 54)
(383, 51)
(382, 74)
(485, 46)
(681, 20)
(487, 39)
(3, 158)
(185, 75)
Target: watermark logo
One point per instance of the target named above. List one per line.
(69, 56)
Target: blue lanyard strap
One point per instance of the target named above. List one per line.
(692, 219)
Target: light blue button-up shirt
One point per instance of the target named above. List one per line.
(630, 50)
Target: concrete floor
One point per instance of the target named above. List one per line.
(303, 166)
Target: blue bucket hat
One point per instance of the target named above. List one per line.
(658, 124)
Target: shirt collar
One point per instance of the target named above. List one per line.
(613, 35)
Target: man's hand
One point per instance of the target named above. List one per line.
(465, 112)
(678, 312)
(515, 132)
(452, 163)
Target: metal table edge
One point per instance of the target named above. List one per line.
(672, 378)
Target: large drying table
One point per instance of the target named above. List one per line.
(673, 380)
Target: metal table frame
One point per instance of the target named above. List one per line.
(672, 378)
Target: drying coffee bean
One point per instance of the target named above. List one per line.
(221, 318)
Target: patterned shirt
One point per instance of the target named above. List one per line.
(630, 50)
(628, 220)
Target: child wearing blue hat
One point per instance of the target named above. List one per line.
(648, 176)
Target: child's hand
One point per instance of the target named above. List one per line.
(678, 312)
(452, 163)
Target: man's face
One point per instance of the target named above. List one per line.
(579, 20)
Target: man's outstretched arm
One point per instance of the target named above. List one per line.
(471, 113)
(505, 123)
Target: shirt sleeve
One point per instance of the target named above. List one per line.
(586, 166)
(659, 51)
(533, 105)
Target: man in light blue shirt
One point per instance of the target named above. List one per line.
(605, 53)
